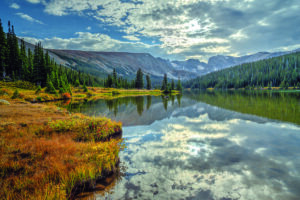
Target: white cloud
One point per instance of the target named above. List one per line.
(88, 28)
(131, 37)
(29, 18)
(206, 27)
(92, 42)
(34, 1)
(15, 6)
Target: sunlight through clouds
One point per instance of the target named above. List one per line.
(193, 28)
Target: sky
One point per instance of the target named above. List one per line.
(171, 29)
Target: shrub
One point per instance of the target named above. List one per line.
(89, 94)
(61, 90)
(115, 92)
(85, 89)
(39, 98)
(50, 88)
(4, 91)
(66, 95)
(38, 90)
(21, 95)
(16, 94)
(77, 83)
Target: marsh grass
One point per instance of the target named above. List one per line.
(46, 153)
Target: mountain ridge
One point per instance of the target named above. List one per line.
(101, 63)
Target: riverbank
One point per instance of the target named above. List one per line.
(27, 92)
(48, 153)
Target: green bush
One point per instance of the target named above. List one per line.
(50, 88)
(85, 89)
(16, 94)
(38, 90)
(39, 98)
(61, 90)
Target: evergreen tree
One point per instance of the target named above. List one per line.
(139, 80)
(13, 64)
(114, 79)
(24, 62)
(172, 85)
(179, 86)
(50, 88)
(3, 51)
(85, 89)
(30, 65)
(148, 82)
(164, 86)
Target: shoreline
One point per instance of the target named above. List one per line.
(71, 151)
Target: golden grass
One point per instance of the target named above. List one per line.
(94, 93)
(46, 153)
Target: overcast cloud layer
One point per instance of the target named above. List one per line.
(178, 29)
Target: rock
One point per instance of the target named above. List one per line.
(4, 102)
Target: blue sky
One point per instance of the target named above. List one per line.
(174, 29)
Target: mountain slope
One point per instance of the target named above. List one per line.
(126, 64)
(282, 71)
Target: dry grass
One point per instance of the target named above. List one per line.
(41, 156)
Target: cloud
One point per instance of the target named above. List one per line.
(34, 1)
(88, 28)
(15, 6)
(95, 42)
(29, 18)
(131, 37)
(212, 154)
(182, 26)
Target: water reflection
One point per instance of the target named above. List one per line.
(129, 110)
(181, 148)
(274, 105)
(197, 157)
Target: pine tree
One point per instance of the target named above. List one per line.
(139, 80)
(148, 82)
(3, 51)
(30, 65)
(50, 88)
(172, 85)
(13, 64)
(179, 86)
(164, 86)
(114, 79)
(24, 62)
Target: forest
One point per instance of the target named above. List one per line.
(282, 71)
(19, 63)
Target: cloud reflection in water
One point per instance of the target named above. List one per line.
(183, 157)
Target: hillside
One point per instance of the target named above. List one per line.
(282, 71)
(126, 64)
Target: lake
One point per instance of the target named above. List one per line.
(213, 145)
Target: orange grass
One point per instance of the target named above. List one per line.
(41, 156)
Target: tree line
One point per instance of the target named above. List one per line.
(19, 63)
(114, 81)
(282, 71)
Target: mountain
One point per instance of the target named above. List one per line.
(126, 64)
(220, 62)
(192, 65)
(277, 71)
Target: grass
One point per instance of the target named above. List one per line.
(27, 93)
(47, 153)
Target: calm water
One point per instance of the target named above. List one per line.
(205, 146)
